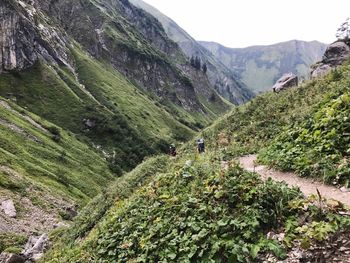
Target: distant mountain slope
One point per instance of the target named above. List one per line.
(105, 70)
(260, 66)
(225, 82)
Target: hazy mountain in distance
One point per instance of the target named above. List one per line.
(222, 78)
(260, 66)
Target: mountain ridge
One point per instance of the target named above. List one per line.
(260, 66)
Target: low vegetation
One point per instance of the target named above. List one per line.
(205, 208)
(47, 159)
(304, 129)
(318, 146)
(194, 210)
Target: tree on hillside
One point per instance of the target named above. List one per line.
(343, 32)
(198, 63)
(193, 62)
(204, 68)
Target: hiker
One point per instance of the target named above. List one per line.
(201, 146)
(172, 150)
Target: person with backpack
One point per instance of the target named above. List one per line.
(172, 150)
(200, 145)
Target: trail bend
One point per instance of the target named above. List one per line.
(307, 186)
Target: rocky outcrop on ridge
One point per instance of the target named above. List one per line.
(334, 56)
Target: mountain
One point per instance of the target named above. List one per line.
(88, 90)
(92, 92)
(105, 70)
(206, 208)
(259, 67)
(221, 77)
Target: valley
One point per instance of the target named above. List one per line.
(94, 94)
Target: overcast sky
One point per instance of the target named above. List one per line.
(241, 23)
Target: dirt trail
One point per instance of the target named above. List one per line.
(307, 186)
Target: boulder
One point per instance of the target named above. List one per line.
(286, 81)
(9, 208)
(320, 70)
(11, 258)
(335, 55)
(35, 247)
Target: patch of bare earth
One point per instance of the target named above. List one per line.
(37, 212)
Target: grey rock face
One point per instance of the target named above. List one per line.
(220, 77)
(320, 70)
(286, 81)
(334, 56)
(142, 58)
(336, 53)
(23, 39)
(9, 208)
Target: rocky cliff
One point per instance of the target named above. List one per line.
(223, 79)
(106, 71)
(129, 38)
(24, 37)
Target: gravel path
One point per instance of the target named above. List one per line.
(307, 186)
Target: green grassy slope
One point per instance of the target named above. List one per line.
(47, 159)
(125, 120)
(193, 210)
(319, 146)
(253, 126)
(303, 129)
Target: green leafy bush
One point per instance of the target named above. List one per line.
(319, 147)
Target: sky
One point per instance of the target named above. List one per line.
(242, 23)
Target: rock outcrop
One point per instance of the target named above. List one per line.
(35, 247)
(286, 81)
(334, 56)
(8, 208)
(24, 38)
(32, 252)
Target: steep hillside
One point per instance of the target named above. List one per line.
(225, 82)
(46, 172)
(319, 146)
(88, 90)
(104, 70)
(304, 129)
(199, 208)
(259, 67)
